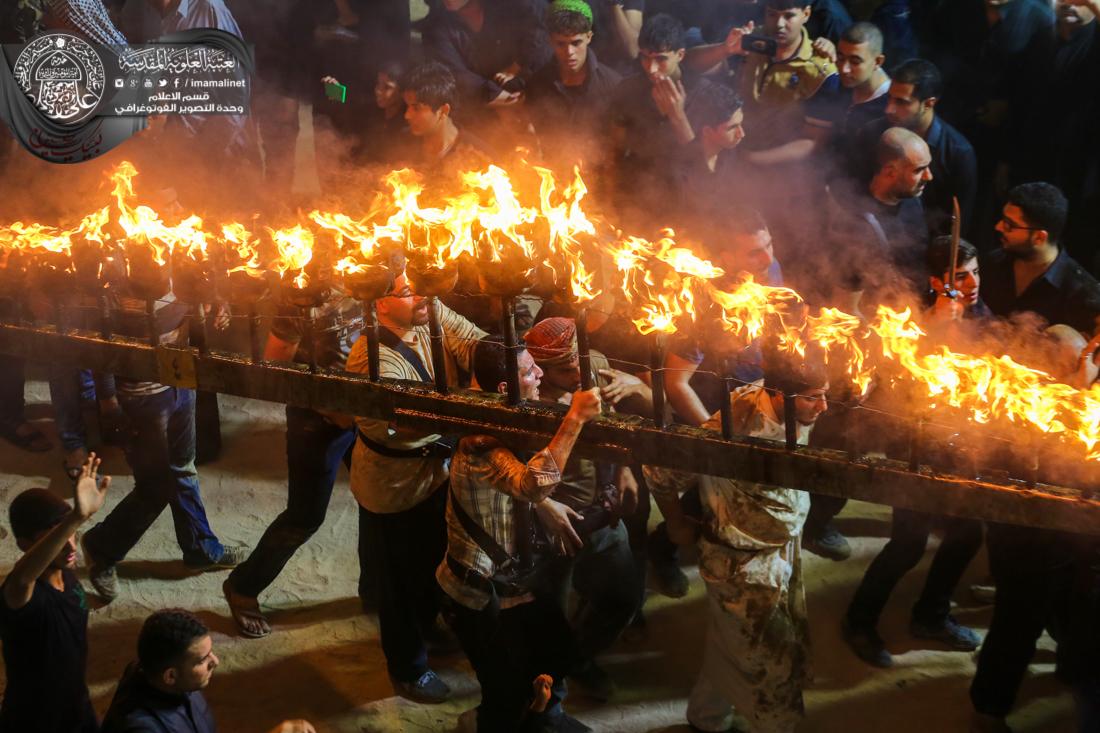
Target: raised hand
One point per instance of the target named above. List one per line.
(670, 97)
(90, 490)
(733, 40)
(824, 47)
(555, 519)
(586, 404)
(620, 385)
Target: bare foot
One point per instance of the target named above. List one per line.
(246, 613)
(541, 686)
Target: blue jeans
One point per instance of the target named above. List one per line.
(603, 575)
(314, 450)
(161, 453)
(68, 389)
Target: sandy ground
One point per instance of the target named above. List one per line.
(323, 661)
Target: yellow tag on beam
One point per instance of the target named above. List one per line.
(176, 368)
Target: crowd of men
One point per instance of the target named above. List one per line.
(763, 131)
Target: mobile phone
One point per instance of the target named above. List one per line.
(759, 44)
(336, 92)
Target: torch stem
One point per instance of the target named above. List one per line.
(59, 315)
(851, 434)
(725, 408)
(584, 350)
(198, 333)
(308, 342)
(151, 322)
(511, 348)
(373, 336)
(790, 420)
(439, 356)
(105, 318)
(1034, 466)
(657, 376)
(916, 445)
(254, 335)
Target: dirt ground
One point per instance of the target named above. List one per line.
(323, 661)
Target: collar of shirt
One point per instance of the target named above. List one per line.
(805, 51)
(591, 69)
(882, 89)
(1058, 271)
(180, 10)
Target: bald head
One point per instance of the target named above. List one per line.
(1067, 344)
(903, 165)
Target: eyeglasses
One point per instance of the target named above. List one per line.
(1011, 226)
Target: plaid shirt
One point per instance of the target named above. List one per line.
(486, 480)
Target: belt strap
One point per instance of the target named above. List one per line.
(388, 338)
(477, 581)
(477, 533)
(427, 451)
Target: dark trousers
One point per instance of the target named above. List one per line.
(908, 538)
(12, 404)
(161, 453)
(314, 450)
(637, 532)
(508, 652)
(70, 389)
(1028, 565)
(402, 551)
(603, 575)
(823, 509)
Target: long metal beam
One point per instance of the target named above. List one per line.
(828, 472)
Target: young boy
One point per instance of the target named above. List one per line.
(44, 614)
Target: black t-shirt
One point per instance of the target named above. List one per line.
(45, 657)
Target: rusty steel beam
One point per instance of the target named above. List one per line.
(828, 472)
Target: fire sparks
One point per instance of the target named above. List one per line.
(511, 225)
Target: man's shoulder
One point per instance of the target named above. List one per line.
(954, 139)
(1077, 279)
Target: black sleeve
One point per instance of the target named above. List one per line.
(534, 45)
(439, 44)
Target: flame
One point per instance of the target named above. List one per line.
(143, 225)
(294, 248)
(239, 241)
(661, 281)
(490, 216)
(567, 227)
(988, 387)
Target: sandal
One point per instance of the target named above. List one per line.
(27, 437)
(248, 620)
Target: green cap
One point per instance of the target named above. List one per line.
(571, 6)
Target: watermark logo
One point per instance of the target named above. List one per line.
(63, 76)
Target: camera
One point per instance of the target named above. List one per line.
(759, 44)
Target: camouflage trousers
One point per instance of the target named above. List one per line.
(756, 659)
